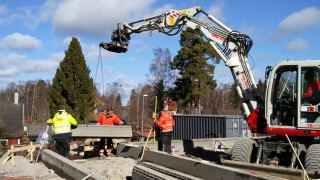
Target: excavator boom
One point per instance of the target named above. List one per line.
(231, 46)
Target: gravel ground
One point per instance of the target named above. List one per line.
(112, 168)
(23, 168)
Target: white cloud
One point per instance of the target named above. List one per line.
(92, 52)
(39, 66)
(215, 10)
(223, 74)
(14, 65)
(267, 58)
(3, 9)
(42, 14)
(8, 72)
(32, 16)
(161, 10)
(298, 22)
(127, 84)
(98, 18)
(297, 45)
(5, 80)
(57, 56)
(258, 75)
(67, 41)
(18, 41)
(125, 81)
(142, 49)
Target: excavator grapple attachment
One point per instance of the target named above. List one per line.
(114, 47)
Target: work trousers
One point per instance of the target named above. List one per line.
(166, 141)
(63, 147)
(103, 143)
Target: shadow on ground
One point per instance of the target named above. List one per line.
(208, 155)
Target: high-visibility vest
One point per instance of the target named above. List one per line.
(166, 122)
(62, 122)
(113, 119)
(102, 118)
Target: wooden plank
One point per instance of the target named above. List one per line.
(17, 149)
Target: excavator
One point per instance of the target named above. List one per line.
(291, 107)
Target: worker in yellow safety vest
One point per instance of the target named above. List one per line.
(62, 122)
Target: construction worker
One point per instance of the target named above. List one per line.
(313, 84)
(165, 105)
(62, 122)
(110, 120)
(113, 118)
(166, 123)
(102, 118)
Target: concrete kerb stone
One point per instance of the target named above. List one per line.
(186, 165)
(65, 167)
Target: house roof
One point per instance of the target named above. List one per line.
(28, 122)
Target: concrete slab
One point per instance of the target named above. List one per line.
(102, 131)
(185, 145)
(65, 167)
(189, 166)
(156, 171)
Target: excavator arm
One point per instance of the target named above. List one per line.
(232, 46)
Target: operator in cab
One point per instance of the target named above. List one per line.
(313, 86)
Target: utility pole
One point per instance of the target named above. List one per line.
(145, 95)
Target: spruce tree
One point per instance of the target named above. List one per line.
(72, 86)
(195, 72)
(236, 101)
(261, 88)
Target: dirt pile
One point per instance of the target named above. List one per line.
(22, 167)
(111, 167)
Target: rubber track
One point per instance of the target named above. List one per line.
(242, 150)
(312, 159)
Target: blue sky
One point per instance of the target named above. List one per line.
(35, 33)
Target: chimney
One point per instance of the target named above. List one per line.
(16, 97)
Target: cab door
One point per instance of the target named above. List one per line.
(309, 104)
(284, 97)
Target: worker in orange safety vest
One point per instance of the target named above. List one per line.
(107, 118)
(313, 85)
(112, 118)
(166, 123)
(102, 118)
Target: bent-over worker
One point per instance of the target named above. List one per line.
(62, 122)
